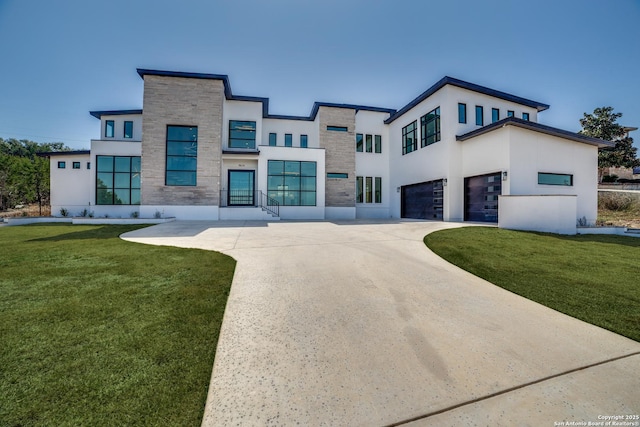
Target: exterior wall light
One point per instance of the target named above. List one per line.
(504, 175)
(397, 189)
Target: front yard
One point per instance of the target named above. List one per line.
(99, 331)
(595, 278)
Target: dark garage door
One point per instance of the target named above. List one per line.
(481, 197)
(423, 200)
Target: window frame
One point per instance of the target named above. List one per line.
(479, 115)
(359, 189)
(525, 116)
(511, 113)
(114, 172)
(495, 115)
(124, 129)
(552, 174)
(368, 189)
(194, 144)
(377, 144)
(368, 143)
(62, 164)
(109, 128)
(432, 116)
(359, 143)
(377, 190)
(332, 128)
(231, 141)
(288, 140)
(337, 175)
(304, 141)
(273, 139)
(405, 134)
(462, 113)
(75, 165)
(283, 191)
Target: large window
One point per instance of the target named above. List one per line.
(479, 115)
(378, 144)
(292, 183)
(118, 180)
(182, 155)
(495, 115)
(109, 127)
(304, 141)
(359, 142)
(555, 179)
(462, 113)
(273, 139)
(430, 127)
(409, 140)
(242, 134)
(128, 129)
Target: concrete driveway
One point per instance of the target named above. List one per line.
(357, 323)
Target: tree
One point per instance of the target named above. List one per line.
(603, 124)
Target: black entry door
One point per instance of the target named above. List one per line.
(241, 188)
(422, 201)
(481, 197)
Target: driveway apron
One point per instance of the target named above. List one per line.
(357, 323)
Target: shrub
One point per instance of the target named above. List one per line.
(610, 178)
(84, 213)
(157, 215)
(64, 212)
(616, 201)
(135, 214)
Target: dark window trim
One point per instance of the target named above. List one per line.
(251, 138)
(495, 115)
(368, 143)
(62, 165)
(359, 143)
(288, 140)
(304, 141)
(300, 191)
(405, 134)
(570, 176)
(480, 116)
(88, 165)
(337, 175)
(368, 189)
(359, 189)
(424, 127)
(106, 128)
(337, 128)
(76, 165)
(124, 129)
(525, 116)
(113, 179)
(462, 112)
(274, 139)
(511, 113)
(378, 144)
(377, 189)
(166, 160)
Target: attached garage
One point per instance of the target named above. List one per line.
(481, 197)
(423, 200)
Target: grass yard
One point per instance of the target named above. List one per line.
(98, 331)
(590, 277)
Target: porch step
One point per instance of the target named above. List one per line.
(247, 213)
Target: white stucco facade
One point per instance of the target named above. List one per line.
(453, 155)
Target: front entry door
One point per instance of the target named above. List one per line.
(241, 188)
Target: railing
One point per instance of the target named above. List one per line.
(253, 198)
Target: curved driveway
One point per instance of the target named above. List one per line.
(357, 323)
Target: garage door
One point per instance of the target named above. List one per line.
(481, 197)
(422, 201)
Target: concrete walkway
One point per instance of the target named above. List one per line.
(359, 324)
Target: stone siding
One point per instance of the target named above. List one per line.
(340, 155)
(187, 102)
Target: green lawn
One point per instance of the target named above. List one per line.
(102, 332)
(593, 278)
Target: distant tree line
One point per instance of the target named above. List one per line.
(24, 175)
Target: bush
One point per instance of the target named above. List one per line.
(616, 201)
(64, 212)
(610, 178)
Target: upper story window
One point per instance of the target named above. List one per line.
(409, 139)
(337, 128)
(304, 141)
(462, 113)
(76, 165)
(510, 113)
(242, 134)
(479, 115)
(378, 144)
(182, 155)
(109, 128)
(128, 129)
(525, 116)
(288, 140)
(88, 165)
(495, 115)
(273, 139)
(62, 165)
(359, 142)
(430, 127)
(369, 143)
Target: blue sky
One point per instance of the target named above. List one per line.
(63, 58)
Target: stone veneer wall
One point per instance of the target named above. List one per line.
(340, 155)
(187, 102)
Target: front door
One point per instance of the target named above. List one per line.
(241, 188)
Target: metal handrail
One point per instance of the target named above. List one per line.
(255, 198)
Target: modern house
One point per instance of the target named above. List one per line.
(457, 152)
